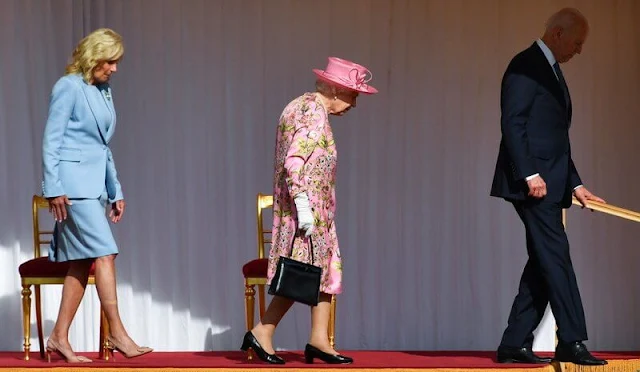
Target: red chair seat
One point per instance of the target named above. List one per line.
(256, 268)
(41, 267)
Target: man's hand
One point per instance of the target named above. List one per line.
(58, 207)
(583, 195)
(537, 187)
(117, 211)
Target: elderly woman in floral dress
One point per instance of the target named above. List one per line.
(304, 203)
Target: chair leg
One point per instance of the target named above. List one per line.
(26, 319)
(249, 308)
(332, 322)
(39, 320)
(261, 299)
(105, 352)
(101, 353)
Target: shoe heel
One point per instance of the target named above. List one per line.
(308, 359)
(246, 344)
(48, 356)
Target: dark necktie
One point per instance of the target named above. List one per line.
(563, 85)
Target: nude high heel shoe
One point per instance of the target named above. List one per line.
(52, 347)
(141, 350)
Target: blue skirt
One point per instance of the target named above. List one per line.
(85, 233)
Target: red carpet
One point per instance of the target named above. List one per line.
(236, 361)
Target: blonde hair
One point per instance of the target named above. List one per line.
(100, 46)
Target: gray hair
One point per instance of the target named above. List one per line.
(328, 89)
(566, 19)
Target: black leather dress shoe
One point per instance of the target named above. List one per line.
(576, 352)
(250, 342)
(509, 354)
(311, 352)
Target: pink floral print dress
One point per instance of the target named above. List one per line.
(305, 161)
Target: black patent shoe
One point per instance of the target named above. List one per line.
(508, 354)
(576, 352)
(311, 352)
(250, 342)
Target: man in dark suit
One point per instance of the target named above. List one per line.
(536, 174)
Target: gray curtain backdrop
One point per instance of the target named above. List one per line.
(430, 260)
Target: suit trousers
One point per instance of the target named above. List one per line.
(548, 277)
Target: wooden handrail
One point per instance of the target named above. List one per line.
(611, 209)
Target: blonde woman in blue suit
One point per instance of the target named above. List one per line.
(80, 180)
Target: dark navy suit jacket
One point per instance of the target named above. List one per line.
(535, 131)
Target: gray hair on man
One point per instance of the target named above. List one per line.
(566, 19)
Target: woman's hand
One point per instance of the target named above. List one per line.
(58, 207)
(305, 215)
(117, 211)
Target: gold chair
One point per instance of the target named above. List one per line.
(255, 273)
(40, 271)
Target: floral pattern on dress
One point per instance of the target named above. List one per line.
(305, 161)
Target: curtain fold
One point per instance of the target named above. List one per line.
(430, 260)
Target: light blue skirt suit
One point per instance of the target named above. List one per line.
(78, 163)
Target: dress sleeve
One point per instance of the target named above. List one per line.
(60, 109)
(305, 137)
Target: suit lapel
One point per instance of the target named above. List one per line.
(94, 104)
(547, 75)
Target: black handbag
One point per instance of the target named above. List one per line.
(297, 281)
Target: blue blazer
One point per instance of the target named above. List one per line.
(77, 161)
(535, 131)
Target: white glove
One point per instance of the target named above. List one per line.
(305, 215)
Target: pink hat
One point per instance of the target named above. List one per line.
(347, 74)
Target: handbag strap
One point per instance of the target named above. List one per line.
(293, 241)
